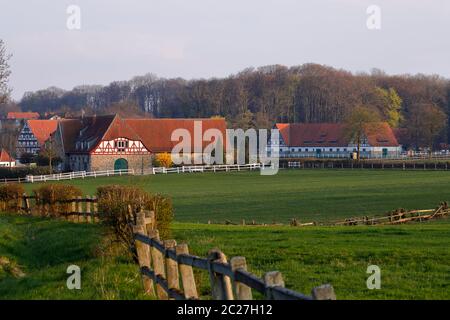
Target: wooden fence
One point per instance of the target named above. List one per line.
(79, 209)
(399, 217)
(167, 271)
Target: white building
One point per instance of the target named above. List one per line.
(6, 160)
(327, 140)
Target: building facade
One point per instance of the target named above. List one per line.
(111, 143)
(328, 140)
(6, 161)
(33, 136)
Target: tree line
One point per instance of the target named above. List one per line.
(417, 105)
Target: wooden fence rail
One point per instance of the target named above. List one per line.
(164, 264)
(79, 209)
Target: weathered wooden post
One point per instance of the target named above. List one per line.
(95, 217)
(220, 284)
(73, 209)
(324, 292)
(158, 264)
(26, 203)
(80, 209)
(173, 279)
(187, 274)
(144, 258)
(243, 292)
(272, 279)
(88, 209)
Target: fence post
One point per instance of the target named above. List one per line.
(173, 279)
(324, 292)
(158, 264)
(144, 258)
(220, 284)
(95, 217)
(26, 202)
(73, 209)
(243, 292)
(80, 209)
(187, 274)
(88, 209)
(272, 279)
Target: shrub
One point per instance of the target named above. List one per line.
(11, 197)
(118, 205)
(22, 172)
(163, 160)
(52, 199)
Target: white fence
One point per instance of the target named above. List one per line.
(209, 168)
(78, 175)
(109, 173)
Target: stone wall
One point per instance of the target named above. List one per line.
(138, 163)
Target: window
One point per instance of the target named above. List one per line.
(306, 149)
(121, 145)
(337, 149)
(331, 149)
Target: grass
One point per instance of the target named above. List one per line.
(308, 195)
(44, 248)
(413, 258)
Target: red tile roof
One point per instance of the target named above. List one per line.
(42, 129)
(22, 115)
(5, 157)
(330, 135)
(155, 134)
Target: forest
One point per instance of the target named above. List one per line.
(258, 97)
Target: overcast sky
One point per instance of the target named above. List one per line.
(119, 39)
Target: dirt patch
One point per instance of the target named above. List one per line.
(10, 268)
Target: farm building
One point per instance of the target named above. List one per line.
(328, 140)
(111, 142)
(34, 135)
(22, 116)
(6, 160)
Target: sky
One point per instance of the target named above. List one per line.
(119, 39)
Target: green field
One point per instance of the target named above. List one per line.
(308, 195)
(414, 259)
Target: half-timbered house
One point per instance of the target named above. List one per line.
(110, 142)
(33, 136)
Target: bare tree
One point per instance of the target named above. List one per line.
(427, 122)
(4, 73)
(49, 152)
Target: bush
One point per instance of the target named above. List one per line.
(118, 205)
(52, 199)
(22, 172)
(11, 197)
(163, 160)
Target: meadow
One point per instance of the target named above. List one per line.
(308, 195)
(414, 259)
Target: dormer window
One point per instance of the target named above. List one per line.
(121, 145)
